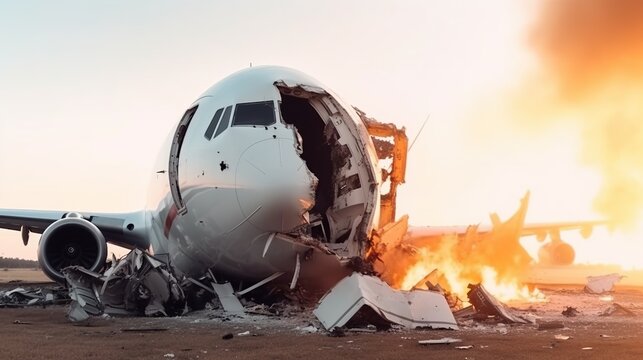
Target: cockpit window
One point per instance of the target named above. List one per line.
(213, 124)
(256, 113)
(224, 121)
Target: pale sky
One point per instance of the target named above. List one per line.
(89, 90)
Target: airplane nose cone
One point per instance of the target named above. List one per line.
(274, 187)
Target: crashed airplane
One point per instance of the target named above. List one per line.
(268, 176)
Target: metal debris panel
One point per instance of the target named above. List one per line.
(227, 298)
(412, 309)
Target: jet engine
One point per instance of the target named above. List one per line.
(557, 253)
(71, 241)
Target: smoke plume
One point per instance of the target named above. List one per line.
(591, 53)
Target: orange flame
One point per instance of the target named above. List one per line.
(454, 261)
(456, 276)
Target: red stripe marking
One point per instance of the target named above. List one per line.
(171, 215)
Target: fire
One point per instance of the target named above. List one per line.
(493, 257)
(455, 278)
(509, 290)
(588, 77)
(590, 74)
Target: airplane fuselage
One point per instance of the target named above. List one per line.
(266, 169)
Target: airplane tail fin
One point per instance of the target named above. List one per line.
(518, 219)
(505, 238)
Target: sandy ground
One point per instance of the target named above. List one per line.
(45, 333)
(26, 275)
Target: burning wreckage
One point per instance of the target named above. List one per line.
(310, 187)
(140, 284)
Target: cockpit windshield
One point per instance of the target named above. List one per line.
(255, 113)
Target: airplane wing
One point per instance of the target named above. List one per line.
(541, 230)
(123, 229)
(502, 236)
(553, 229)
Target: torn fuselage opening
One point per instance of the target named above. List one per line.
(336, 149)
(316, 151)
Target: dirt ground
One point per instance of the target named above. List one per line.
(26, 275)
(45, 333)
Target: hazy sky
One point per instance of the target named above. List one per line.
(89, 90)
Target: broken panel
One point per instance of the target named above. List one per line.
(412, 309)
(137, 284)
(486, 304)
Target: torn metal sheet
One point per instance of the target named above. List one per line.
(260, 283)
(137, 284)
(83, 293)
(76, 312)
(412, 309)
(602, 284)
(617, 310)
(227, 298)
(487, 304)
(20, 297)
(443, 341)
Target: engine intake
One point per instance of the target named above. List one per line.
(71, 241)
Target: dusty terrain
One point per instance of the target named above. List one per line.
(45, 333)
(26, 275)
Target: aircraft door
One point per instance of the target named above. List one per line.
(175, 152)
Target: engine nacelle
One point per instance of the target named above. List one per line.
(71, 241)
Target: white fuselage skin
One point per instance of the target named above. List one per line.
(241, 196)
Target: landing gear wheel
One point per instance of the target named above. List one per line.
(556, 253)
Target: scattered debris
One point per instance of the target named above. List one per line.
(169, 356)
(144, 329)
(587, 348)
(337, 332)
(570, 311)
(137, 284)
(227, 336)
(411, 309)
(602, 284)
(368, 329)
(227, 298)
(550, 325)
(562, 337)
(20, 322)
(617, 310)
(464, 347)
(310, 329)
(20, 297)
(486, 304)
(468, 311)
(245, 333)
(442, 341)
